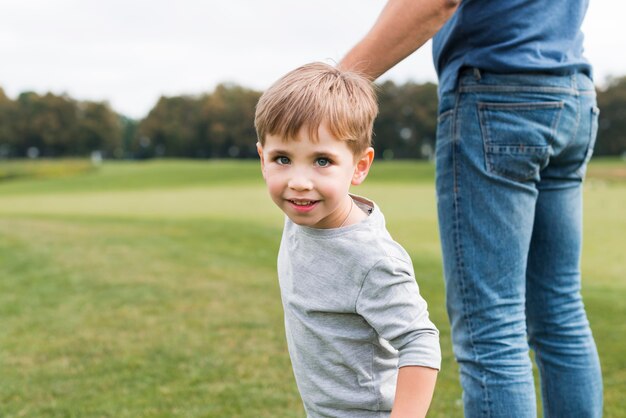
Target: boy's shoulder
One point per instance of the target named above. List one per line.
(376, 243)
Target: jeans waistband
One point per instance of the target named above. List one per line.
(475, 79)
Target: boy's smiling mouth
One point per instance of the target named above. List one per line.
(302, 205)
(302, 202)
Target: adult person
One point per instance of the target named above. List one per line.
(516, 128)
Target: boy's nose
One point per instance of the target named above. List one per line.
(300, 182)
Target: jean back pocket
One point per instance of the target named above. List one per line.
(517, 137)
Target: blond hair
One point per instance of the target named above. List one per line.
(318, 93)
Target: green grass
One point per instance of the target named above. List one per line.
(43, 168)
(149, 289)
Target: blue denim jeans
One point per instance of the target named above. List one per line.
(511, 156)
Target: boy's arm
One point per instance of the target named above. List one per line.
(414, 391)
(402, 27)
(391, 303)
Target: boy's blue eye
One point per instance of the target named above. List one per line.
(282, 160)
(323, 162)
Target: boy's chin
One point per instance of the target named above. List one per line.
(310, 223)
(303, 222)
(300, 221)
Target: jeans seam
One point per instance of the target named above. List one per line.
(516, 89)
(591, 140)
(458, 248)
(521, 105)
(486, 140)
(445, 114)
(578, 110)
(555, 124)
(545, 399)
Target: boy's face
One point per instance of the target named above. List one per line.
(309, 181)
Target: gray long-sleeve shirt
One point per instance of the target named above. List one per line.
(353, 316)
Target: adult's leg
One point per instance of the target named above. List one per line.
(558, 328)
(490, 148)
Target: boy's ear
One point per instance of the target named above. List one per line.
(259, 149)
(363, 165)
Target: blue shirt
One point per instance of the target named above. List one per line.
(511, 36)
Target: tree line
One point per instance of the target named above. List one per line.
(220, 124)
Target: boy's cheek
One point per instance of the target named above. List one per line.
(274, 189)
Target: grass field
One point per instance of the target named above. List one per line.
(149, 289)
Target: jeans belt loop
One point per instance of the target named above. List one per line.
(477, 75)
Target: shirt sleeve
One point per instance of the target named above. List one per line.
(390, 302)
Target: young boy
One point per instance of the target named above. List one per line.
(359, 337)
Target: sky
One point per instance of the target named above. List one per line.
(131, 52)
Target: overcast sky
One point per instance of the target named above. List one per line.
(130, 52)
